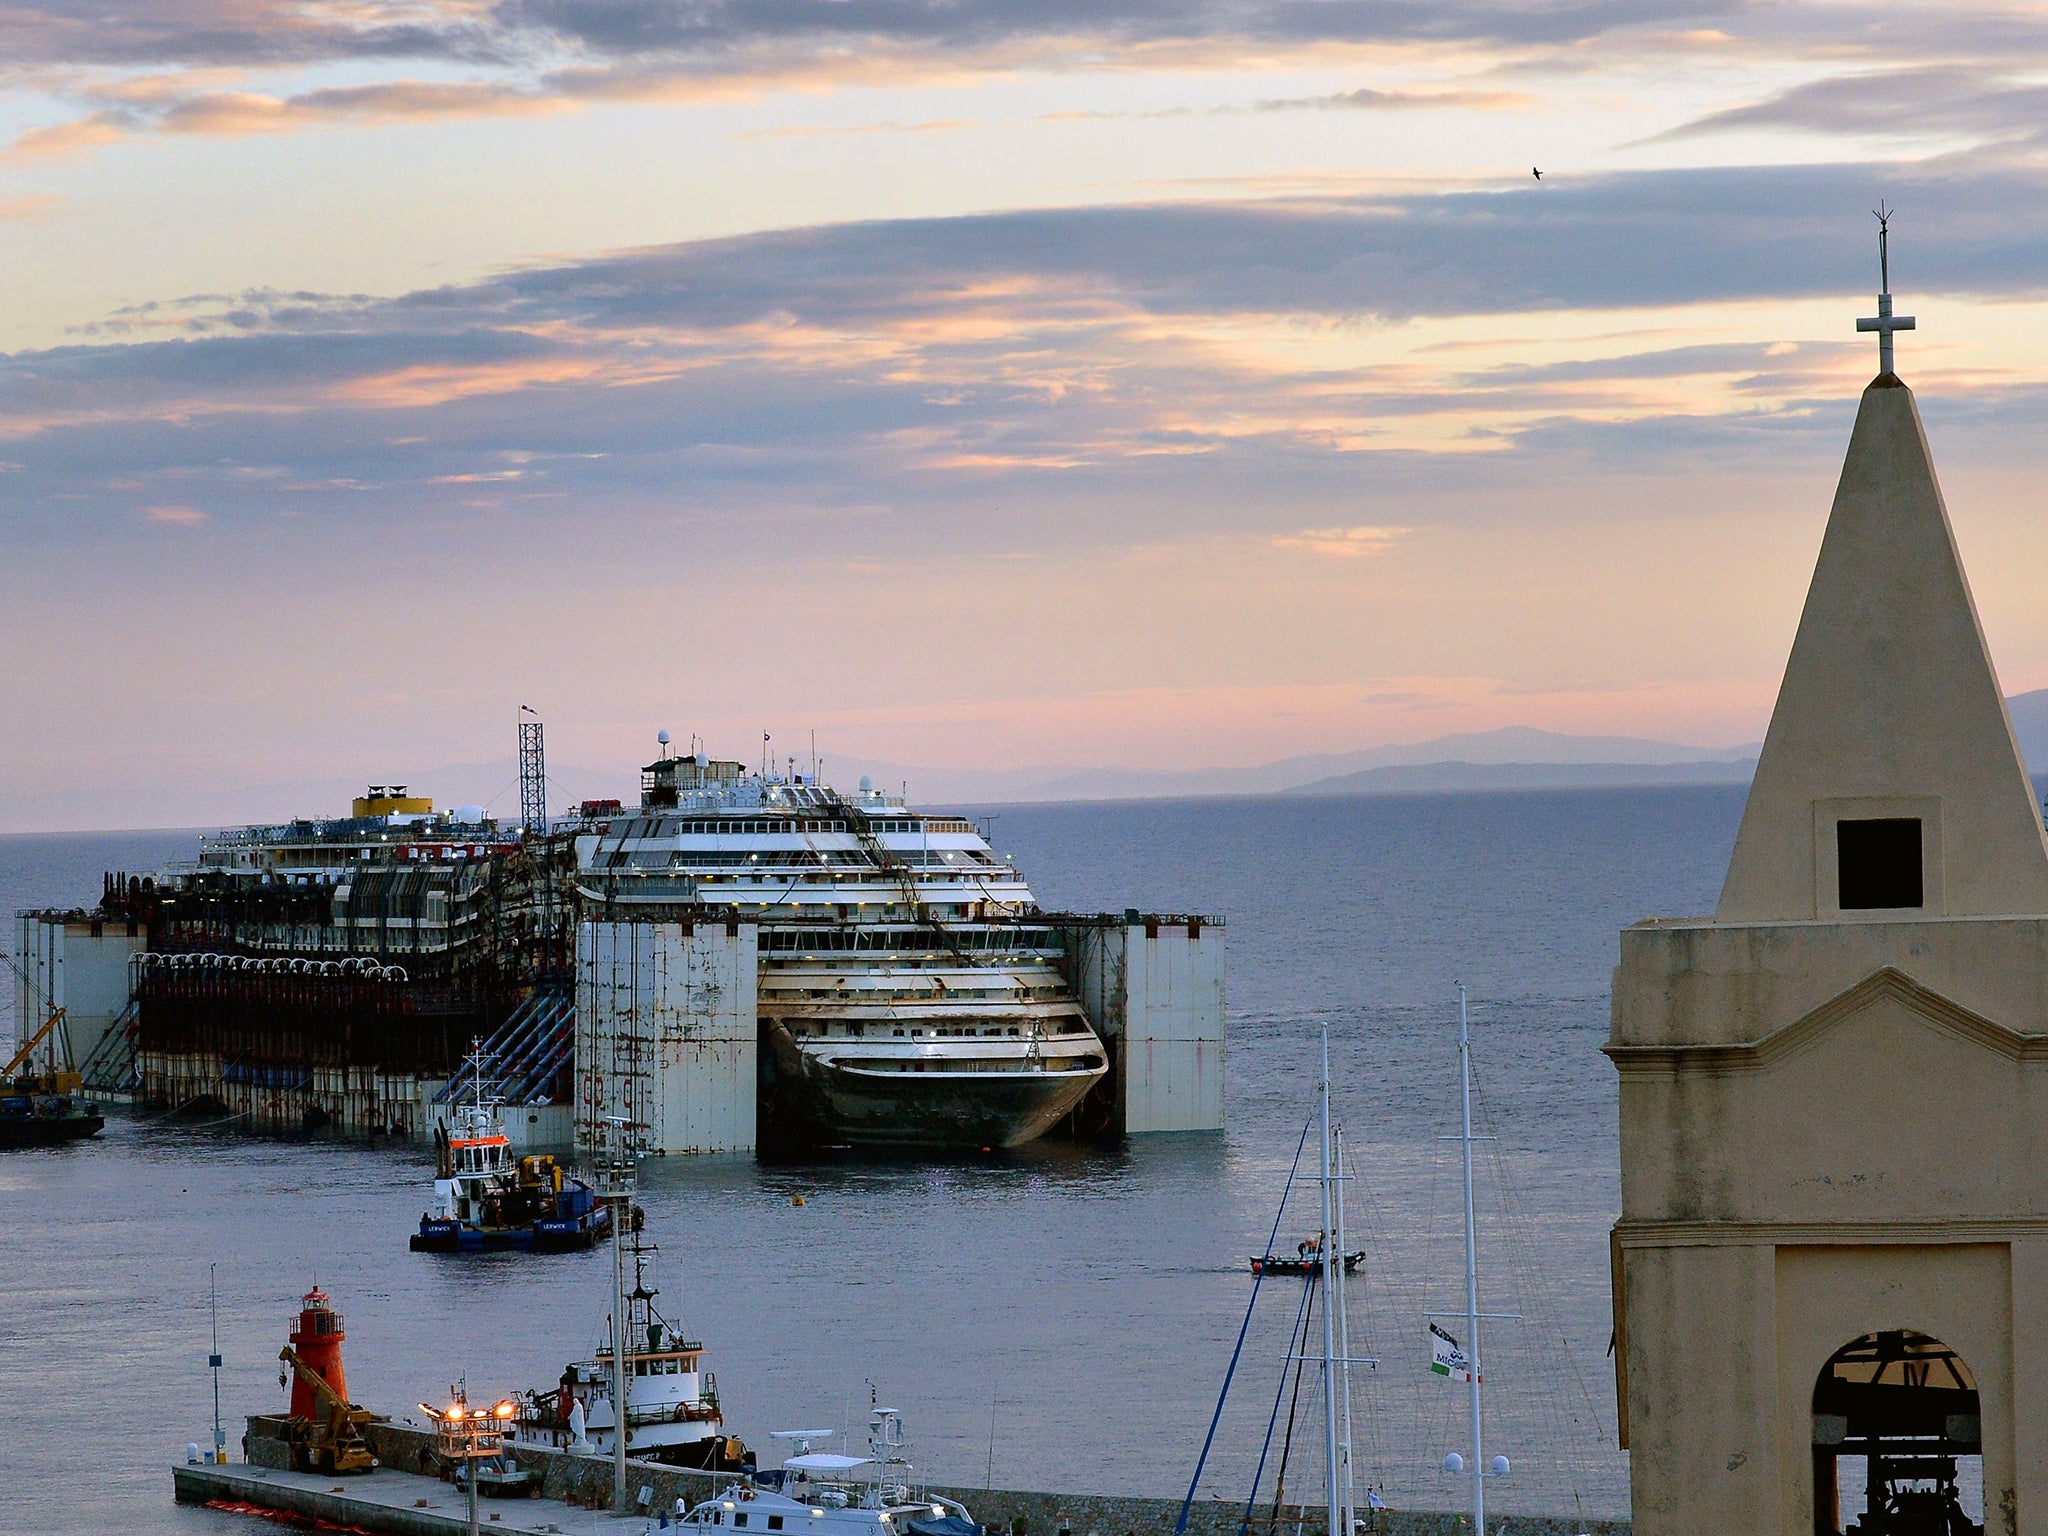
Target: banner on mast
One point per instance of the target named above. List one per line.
(1445, 1357)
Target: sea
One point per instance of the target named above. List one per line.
(1055, 1318)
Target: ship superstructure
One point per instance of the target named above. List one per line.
(907, 992)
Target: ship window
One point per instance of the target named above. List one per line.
(739, 1519)
(1879, 862)
(775, 1522)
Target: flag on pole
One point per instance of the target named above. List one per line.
(1445, 1357)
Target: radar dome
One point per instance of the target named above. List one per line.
(1454, 1462)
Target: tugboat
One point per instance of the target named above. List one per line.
(486, 1198)
(672, 1412)
(825, 1494)
(44, 1108)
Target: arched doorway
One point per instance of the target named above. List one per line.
(1901, 1408)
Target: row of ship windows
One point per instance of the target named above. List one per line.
(898, 994)
(790, 858)
(658, 1368)
(725, 826)
(858, 1031)
(840, 940)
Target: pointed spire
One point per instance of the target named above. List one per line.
(1890, 745)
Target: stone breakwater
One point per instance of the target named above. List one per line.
(586, 1481)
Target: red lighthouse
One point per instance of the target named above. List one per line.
(317, 1340)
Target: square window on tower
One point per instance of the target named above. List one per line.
(1879, 863)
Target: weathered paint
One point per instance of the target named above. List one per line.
(1153, 988)
(666, 1033)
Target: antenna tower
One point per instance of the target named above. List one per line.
(533, 774)
(533, 816)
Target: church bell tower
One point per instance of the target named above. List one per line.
(1831, 1268)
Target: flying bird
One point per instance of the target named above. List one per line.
(1536, 173)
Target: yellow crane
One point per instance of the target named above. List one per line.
(337, 1445)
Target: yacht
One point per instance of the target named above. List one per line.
(822, 1493)
(909, 989)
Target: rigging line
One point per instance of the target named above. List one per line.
(1566, 1429)
(1375, 1246)
(1180, 1526)
(1299, 1349)
(1308, 1286)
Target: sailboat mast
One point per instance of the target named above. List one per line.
(1471, 1266)
(1333, 1461)
(1337, 1290)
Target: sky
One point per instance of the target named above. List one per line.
(976, 383)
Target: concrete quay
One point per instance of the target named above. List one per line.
(406, 1496)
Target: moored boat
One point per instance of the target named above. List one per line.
(33, 1116)
(485, 1198)
(672, 1412)
(41, 1096)
(822, 1493)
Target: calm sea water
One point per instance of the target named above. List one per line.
(1055, 1319)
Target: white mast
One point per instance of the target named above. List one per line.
(615, 1186)
(1336, 1294)
(1332, 1451)
(1336, 1332)
(1471, 1267)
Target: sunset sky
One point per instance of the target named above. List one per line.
(993, 382)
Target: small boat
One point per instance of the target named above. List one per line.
(32, 1117)
(1307, 1259)
(485, 1198)
(42, 1105)
(672, 1412)
(821, 1493)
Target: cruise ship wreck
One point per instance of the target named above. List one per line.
(907, 989)
(743, 961)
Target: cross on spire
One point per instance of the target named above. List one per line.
(1884, 322)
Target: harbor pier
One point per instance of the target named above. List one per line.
(407, 1496)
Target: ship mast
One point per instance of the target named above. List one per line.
(1336, 1360)
(615, 1186)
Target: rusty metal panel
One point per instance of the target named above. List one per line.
(666, 1033)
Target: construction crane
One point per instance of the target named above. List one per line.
(57, 1078)
(337, 1445)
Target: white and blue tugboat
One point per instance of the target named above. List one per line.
(485, 1198)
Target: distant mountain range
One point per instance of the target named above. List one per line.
(1514, 757)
